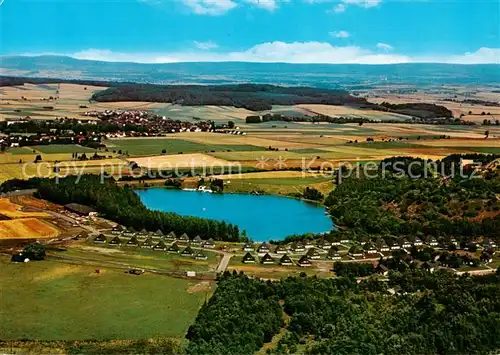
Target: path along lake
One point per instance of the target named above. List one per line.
(263, 217)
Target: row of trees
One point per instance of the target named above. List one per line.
(125, 207)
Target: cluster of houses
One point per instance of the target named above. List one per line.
(154, 124)
(311, 253)
(158, 241)
(329, 250)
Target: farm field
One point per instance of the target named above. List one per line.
(154, 146)
(12, 210)
(27, 228)
(345, 111)
(278, 186)
(142, 258)
(62, 149)
(48, 300)
(180, 161)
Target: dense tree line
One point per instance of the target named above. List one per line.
(421, 110)
(391, 205)
(424, 313)
(125, 207)
(239, 318)
(310, 193)
(255, 97)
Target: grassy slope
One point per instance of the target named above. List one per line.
(53, 301)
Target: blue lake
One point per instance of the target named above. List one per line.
(263, 217)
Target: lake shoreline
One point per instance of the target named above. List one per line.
(264, 217)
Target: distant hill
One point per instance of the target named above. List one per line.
(352, 76)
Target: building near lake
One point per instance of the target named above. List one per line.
(115, 241)
(173, 249)
(248, 247)
(160, 246)
(313, 254)
(263, 248)
(209, 244)
(356, 251)
(81, 210)
(297, 247)
(280, 249)
(267, 259)
(248, 259)
(197, 240)
(286, 261)
(148, 243)
(100, 239)
(172, 235)
(133, 242)
(200, 255)
(333, 254)
(304, 261)
(187, 252)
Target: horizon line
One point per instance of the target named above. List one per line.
(13, 56)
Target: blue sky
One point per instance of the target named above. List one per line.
(303, 31)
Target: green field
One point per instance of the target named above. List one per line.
(279, 186)
(54, 301)
(172, 146)
(19, 150)
(62, 149)
(142, 258)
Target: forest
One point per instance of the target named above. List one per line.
(253, 97)
(416, 312)
(122, 205)
(392, 203)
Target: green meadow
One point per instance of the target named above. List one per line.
(49, 300)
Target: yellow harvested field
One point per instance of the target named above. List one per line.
(168, 162)
(12, 210)
(24, 171)
(26, 228)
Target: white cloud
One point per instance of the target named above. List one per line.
(339, 8)
(483, 55)
(340, 34)
(206, 45)
(269, 5)
(210, 7)
(294, 52)
(385, 47)
(363, 3)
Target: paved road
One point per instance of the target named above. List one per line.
(224, 262)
